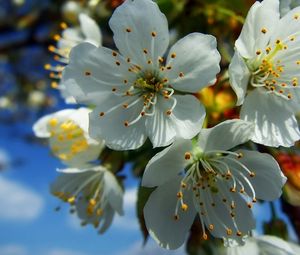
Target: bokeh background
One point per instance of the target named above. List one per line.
(29, 223)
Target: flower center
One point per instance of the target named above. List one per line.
(268, 70)
(85, 190)
(67, 139)
(212, 177)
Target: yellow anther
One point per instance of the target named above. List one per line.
(168, 112)
(71, 200)
(258, 52)
(47, 66)
(183, 185)
(54, 85)
(250, 205)
(179, 194)
(289, 96)
(63, 156)
(204, 236)
(181, 74)
(153, 34)
(101, 114)
(239, 233)
(99, 212)
(229, 231)
(176, 217)
(128, 30)
(211, 227)
(92, 202)
(63, 25)
(51, 48)
(87, 73)
(126, 123)
(173, 55)
(56, 37)
(296, 16)
(184, 207)
(252, 174)
(114, 53)
(118, 63)
(263, 30)
(187, 155)
(53, 122)
(240, 155)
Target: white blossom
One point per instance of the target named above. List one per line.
(264, 73)
(88, 31)
(137, 92)
(209, 180)
(93, 193)
(67, 131)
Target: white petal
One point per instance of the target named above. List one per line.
(220, 214)
(94, 72)
(287, 25)
(250, 248)
(159, 127)
(142, 18)
(166, 164)
(111, 127)
(159, 215)
(268, 180)
(187, 116)
(264, 15)
(90, 29)
(272, 245)
(239, 77)
(197, 58)
(40, 127)
(113, 192)
(274, 125)
(225, 135)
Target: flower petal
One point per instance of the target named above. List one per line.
(139, 25)
(188, 116)
(166, 164)
(159, 215)
(159, 127)
(274, 125)
(113, 192)
(90, 29)
(272, 245)
(225, 135)
(261, 22)
(196, 63)
(268, 180)
(111, 126)
(239, 77)
(41, 128)
(94, 72)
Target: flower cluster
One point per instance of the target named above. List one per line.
(146, 89)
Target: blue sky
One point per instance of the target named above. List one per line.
(29, 224)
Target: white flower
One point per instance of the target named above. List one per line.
(88, 31)
(138, 93)
(264, 245)
(94, 194)
(264, 73)
(208, 180)
(67, 131)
